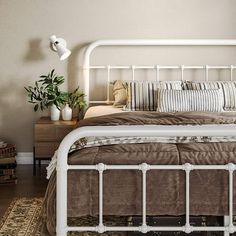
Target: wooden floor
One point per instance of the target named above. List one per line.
(28, 186)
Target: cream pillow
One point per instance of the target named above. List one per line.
(119, 93)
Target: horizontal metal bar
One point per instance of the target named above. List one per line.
(222, 130)
(82, 228)
(209, 167)
(125, 228)
(209, 228)
(122, 167)
(150, 167)
(82, 167)
(163, 228)
(107, 228)
(193, 228)
(165, 67)
(150, 228)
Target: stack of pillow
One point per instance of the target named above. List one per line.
(175, 96)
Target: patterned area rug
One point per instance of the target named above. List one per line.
(21, 218)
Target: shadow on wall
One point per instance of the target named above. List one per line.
(16, 115)
(35, 52)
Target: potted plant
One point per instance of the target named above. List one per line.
(72, 100)
(46, 93)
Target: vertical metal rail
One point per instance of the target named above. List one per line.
(231, 168)
(206, 72)
(101, 168)
(108, 82)
(231, 72)
(187, 168)
(157, 67)
(144, 167)
(182, 72)
(133, 69)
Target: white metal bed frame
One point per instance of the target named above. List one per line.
(147, 131)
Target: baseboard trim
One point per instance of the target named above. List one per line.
(27, 158)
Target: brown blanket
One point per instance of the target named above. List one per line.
(166, 189)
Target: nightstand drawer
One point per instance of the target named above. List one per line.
(45, 132)
(48, 132)
(62, 131)
(45, 149)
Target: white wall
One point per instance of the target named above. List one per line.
(25, 26)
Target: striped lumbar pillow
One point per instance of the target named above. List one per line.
(210, 100)
(228, 88)
(142, 95)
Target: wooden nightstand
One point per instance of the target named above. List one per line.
(47, 137)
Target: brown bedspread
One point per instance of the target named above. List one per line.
(166, 189)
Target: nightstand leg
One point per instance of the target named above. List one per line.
(34, 164)
(39, 163)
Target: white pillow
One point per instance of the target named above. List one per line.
(210, 100)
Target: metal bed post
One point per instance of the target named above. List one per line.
(61, 189)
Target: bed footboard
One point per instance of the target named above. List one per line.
(147, 131)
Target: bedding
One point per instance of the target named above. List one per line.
(210, 100)
(228, 88)
(142, 96)
(166, 189)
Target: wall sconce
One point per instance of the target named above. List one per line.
(59, 45)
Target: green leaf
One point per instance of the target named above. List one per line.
(36, 107)
(52, 72)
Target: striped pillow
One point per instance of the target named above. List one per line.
(210, 100)
(142, 96)
(228, 88)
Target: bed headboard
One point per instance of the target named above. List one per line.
(137, 42)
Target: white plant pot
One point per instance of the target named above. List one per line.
(66, 113)
(55, 113)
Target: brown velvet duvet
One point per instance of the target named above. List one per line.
(165, 189)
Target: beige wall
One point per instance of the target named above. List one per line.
(25, 26)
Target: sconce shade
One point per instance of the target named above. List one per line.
(62, 51)
(59, 45)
